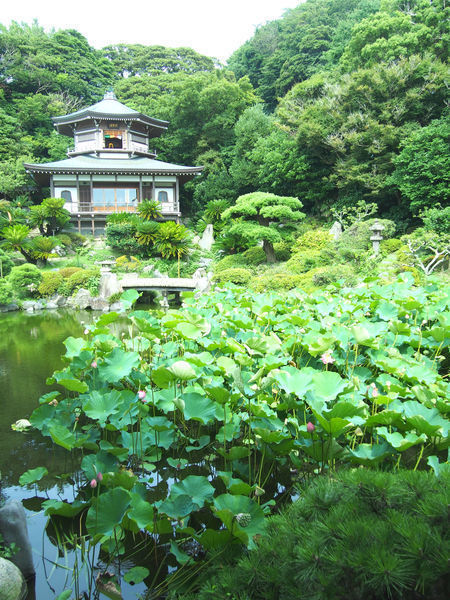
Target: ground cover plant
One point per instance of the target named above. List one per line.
(194, 424)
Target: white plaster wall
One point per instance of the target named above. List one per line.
(72, 207)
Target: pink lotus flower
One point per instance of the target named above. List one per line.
(375, 392)
(310, 427)
(142, 394)
(99, 476)
(93, 483)
(326, 358)
(94, 364)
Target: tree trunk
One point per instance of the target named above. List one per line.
(269, 250)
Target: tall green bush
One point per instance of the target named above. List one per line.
(25, 280)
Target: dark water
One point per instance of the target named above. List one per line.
(30, 350)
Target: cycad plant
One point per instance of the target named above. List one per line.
(146, 232)
(15, 238)
(149, 209)
(172, 240)
(42, 248)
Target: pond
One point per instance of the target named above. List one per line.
(30, 350)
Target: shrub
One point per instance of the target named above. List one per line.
(302, 262)
(229, 262)
(390, 246)
(6, 263)
(127, 264)
(63, 240)
(68, 271)
(359, 534)
(6, 293)
(77, 239)
(253, 256)
(25, 280)
(282, 250)
(333, 274)
(120, 236)
(50, 283)
(316, 239)
(276, 281)
(118, 218)
(239, 276)
(84, 278)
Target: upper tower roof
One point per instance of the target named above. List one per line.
(108, 108)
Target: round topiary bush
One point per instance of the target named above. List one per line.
(276, 281)
(66, 272)
(302, 262)
(237, 276)
(355, 535)
(316, 239)
(229, 262)
(25, 280)
(50, 283)
(253, 256)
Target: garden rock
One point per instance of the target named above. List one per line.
(13, 527)
(205, 262)
(207, 239)
(51, 305)
(109, 285)
(8, 307)
(12, 583)
(32, 305)
(99, 304)
(147, 269)
(82, 299)
(116, 307)
(336, 230)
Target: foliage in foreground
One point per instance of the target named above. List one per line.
(232, 399)
(360, 534)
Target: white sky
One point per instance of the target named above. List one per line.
(212, 27)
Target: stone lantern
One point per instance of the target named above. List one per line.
(376, 236)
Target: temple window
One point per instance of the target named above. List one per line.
(66, 195)
(163, 197)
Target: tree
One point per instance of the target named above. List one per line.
(149, 209)
(422, 169)
(261, 215)
(50, 216)
(15, 238)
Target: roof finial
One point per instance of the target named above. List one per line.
(109, 95)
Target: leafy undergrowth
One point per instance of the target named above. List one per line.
(202, 420)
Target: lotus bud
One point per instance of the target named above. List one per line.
(93, 483)
(94, 364)
(142, 394)
(310, 427)
(99, 476)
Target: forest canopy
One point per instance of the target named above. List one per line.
(336, 102)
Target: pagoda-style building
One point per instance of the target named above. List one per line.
(111, 168)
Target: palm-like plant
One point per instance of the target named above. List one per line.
(146, 232)
(42, 248)
(55, 214)
(214, 210)
(149, 209)
(15, 238)
(172, 240)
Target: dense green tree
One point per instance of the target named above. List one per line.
(260, 215)
(33, 61)
(136, 59)
(422, 169)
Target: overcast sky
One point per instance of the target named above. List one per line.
(212, 27)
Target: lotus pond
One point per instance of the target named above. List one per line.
(191, 426)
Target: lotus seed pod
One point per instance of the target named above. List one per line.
(244, 519)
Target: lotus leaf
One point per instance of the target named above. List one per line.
(107, 512)
(32, 475)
